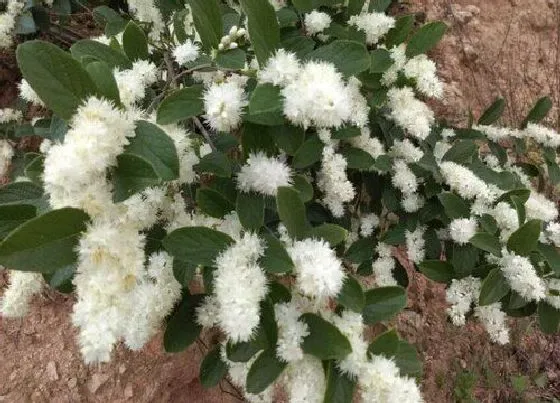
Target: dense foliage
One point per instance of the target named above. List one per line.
(254, 167)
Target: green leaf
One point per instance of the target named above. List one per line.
(263, 28)
(276, 258)
(425, 38)
(257, 138)
(549, 318)
(180, 105)
(208, 22)
(332, 233)
(461, 152)
(349, 57)
(551, 255)
(212, 203)
(493, 113)
(346, 132)
(539, 111)
(104, 80)
(133, 174)
(34, 170)
(309, 153)
(355, 6)
(58, 79)
(12, 216)
(183, 272)
(437, 270)
(522, 194)
(454, 206)
(287, 17)
(233, 59)
(383, 303)
(288, 138)
(464, 258)
(245, 350)
(299, 44)
(291, 211)
(182, 329)
(266, 106)
(379, 5)
(487, 242)
(494, 288)
(525, 239)
(216, 163)
(156, 147)
(340, 388)
(386, 344)
(380, 61)
(304, 188)
(403, 353)
(196, 245)
(61, 279)
(44, 243)
(21, 193)
(358, 159)
(361, 250)
(266, 368)
(250, 210)
(135, 43)
(90, 49)
(114, 22)
(324, 341)
(212, 369)
(352, 295)
(399, 33)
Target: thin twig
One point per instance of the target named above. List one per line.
(204, 132)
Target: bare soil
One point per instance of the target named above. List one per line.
(506, 48)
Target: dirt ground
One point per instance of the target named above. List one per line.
(508, 48)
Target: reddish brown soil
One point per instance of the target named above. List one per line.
(497, 47)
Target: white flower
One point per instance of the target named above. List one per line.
(148, 11)
(423, 71)
(6, 154)
(412, 202)
(466, 183)
(23, 285)
(142, 208)
(277, 4)
(410, 113)
(403, 178)
(318, 271)
(553, 292)
(29, 94)
(398, 55)
(521, 276)
(185, 152)
(132, 83)
(462, 230)
(494, 320)
(13, 9)
(334, 183)
(383, 267)
(224, 103)
(207, 312)
(368, 222)
(415, 245)
(291, 331)
(407, 151)
(359, 106)
(461, 294)
(316, 22)
(543, 135)
(506, 218)
(369, 144)
(305, 380)
(553, 233)
(317, 97)
(351, 325)
(540, 208)
(281, 69)
(186, 52)
(375, 25)
(497, 133)
(263, 174)
(9, 114)
(239, 287)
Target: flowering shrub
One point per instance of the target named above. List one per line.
(254, 167)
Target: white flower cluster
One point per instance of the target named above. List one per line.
(545, 136)
(148, 11)
(9, 115)
(316, 22)
(334, 183)
(406, 181)
(375, 25)
(494, 321)
(263, 174)
(239, 287)
(462, 230)
(553, 233)
(186, 52)
(538, 207)
(6, 154)
(409, 113)
(398, 56)
(132, 83)
(553, 292)
(224, 103)
(368, 222)
(230, 40)
(291, 331)
(407, 151)
(383, 266)
(8, 22)
(369, 144)
(522, 276)
(506, 218)
(185, 152)
(305, 380)
(28, 94)
(423, 71)
(16, 298)
(415, 244)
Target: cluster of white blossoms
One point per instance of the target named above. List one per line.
(368, 223)
(494, 321)
(384, 266)
(9, 115)
(23, 285)
(224, 102)
(543, 135)
(251, 177)
(316, 22)
(132, 83)
(522, 276)
(375, 25)
(186, 52)
(462, 230)
(6, 154)
(8, 19)
(291, 331)
(407, 151)
(239, 287)
(423, 71)
(406, 181)
(333, 182)
(409, 113)
(149, 12)
(553, 292)
(538, 207)
(230, 41)
(415, 244)
(28, 94)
